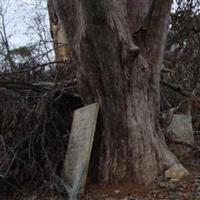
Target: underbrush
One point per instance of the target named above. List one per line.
(34, 132)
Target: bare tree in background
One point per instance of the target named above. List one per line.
(5, 45)
(35, 60)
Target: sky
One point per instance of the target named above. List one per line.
(19, 19)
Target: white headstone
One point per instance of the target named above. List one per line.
(79, 149)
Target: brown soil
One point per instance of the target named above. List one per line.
(118, 191)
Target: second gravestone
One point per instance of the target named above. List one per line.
(79, 149)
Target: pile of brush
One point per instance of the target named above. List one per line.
(34, 132)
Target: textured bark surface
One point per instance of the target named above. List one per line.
(118, 47)
(61, 44)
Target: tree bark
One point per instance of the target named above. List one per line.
(118, 47)
(60, 42)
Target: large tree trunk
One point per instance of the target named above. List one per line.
(118, 47)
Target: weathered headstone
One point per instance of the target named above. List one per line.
(79, 149)
(181, 129)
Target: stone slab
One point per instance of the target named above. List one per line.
(176, 172)
(79, 149)
(181, 129)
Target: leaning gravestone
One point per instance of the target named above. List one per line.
(79, 149)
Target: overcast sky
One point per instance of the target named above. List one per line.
(19, 16)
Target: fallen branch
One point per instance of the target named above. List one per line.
(177, 89)
(192, 146)
(22, 86)
(31, 68)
